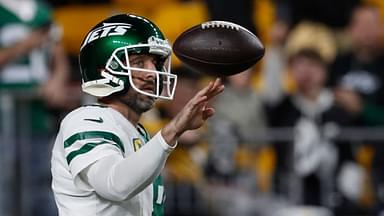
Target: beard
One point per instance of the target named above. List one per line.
(139, 103)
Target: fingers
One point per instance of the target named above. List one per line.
(206, 89)
(196, 111)
(216, 89)
(216, 85)
(212, 89)
(200, 100)
(208, 112)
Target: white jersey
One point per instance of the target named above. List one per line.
(86, 135)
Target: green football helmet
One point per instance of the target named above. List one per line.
(104, 56)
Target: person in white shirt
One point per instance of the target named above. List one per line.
(103, 160)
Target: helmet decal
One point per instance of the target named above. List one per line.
(108, 29)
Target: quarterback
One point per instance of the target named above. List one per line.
(103, 160)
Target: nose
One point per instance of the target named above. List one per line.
(149, 76)
(149, 65)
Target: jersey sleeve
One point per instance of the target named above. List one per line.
(89, 135)
(119, 179)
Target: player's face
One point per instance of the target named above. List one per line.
(145, 81)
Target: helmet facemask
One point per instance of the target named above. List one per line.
(118, 65)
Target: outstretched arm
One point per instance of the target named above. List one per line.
(116, 178)
(33, 40)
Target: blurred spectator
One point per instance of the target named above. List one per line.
(274, 62)
(307, 34)
(234, 146)
(33, 80)
(358, 78)
(306, 166)
(357, 75)
(239, 117)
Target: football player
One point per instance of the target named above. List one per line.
(103, 160)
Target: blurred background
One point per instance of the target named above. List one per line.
(301, 133)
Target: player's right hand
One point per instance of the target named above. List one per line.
(194, 113)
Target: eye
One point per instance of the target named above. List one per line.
(155, 61)
(138, 63)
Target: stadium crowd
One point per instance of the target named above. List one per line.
(300, 133)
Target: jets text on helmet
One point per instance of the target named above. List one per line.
(108, 29)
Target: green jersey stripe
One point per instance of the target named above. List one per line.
(92, 135)
(84, 149)
(158, 197)
(143, 132)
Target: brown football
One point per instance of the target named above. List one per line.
(218, 48)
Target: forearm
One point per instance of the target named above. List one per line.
(9, 54)
(272, 71)
(35, 39)
(119, 179)
(60, 63)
